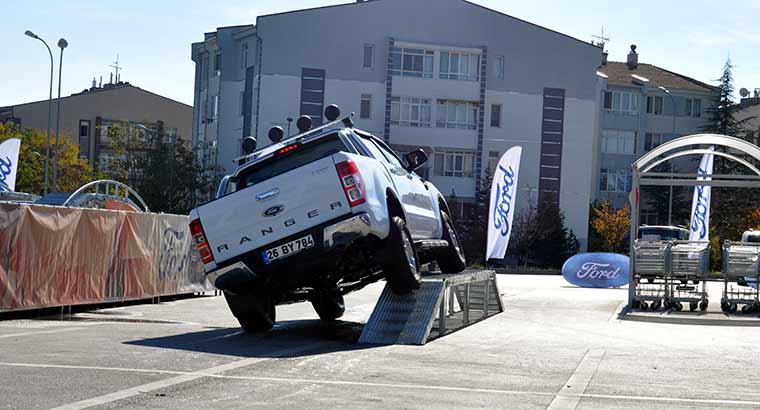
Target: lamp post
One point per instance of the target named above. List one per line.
(50, 107)
(670, 195)
(62, 43)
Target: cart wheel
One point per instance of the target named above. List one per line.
(746, 309)
(667, 305)
(703, 305)
(693, 306)
(732, 307)
(756, 307)
(724, 306)
(636, 304)
(644, 305)
(655, 305)
(678, 306)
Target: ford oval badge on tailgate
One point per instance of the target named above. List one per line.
(274, 211)
(597, 270)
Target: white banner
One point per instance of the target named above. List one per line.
(700, 208)
(9, 163)
(502, 206)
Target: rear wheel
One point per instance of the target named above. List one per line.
(400, 265)
(451, 258)
(255, 313)
(329, 305)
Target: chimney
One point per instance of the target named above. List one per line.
(633, 58)
(604, 58)
(94, 83)
(111, 80)
(101, 82)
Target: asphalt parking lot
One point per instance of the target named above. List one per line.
(555, 347)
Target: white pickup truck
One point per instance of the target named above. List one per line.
(319, 215)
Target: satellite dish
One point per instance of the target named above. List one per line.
(744, 92)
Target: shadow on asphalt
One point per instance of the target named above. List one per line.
(341, 336)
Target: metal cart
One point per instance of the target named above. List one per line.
(652, 269)
(686, 283)
(741, 261)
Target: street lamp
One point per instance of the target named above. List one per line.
(670, 195)
(62, 43)
(50, 107)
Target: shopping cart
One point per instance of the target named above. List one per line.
(741, 264)
(689, 262)
(651, 265)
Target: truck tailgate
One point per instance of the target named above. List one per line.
(274, 209)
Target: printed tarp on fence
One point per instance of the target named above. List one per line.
(58, 256)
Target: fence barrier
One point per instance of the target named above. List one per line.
(58, 256)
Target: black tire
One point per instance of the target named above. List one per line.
(400, 264)
(703, 305)
(254, 313)
(329, 305)
(451, 258)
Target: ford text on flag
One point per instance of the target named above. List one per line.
(502, 205)
(9, 163)
(699, 228)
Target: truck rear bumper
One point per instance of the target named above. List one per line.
(240, 278)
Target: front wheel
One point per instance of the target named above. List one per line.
(450, 258)
(255, 313)
(400, 264)
(329, 305)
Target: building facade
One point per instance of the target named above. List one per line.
(465, 83)
(642, 106)
(86, 118)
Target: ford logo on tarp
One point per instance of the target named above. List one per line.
(597, 270)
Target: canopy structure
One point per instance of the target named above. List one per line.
(101, 194)
(729, 148)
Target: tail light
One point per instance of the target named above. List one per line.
(352, 183)
(288, 148)
(199, 238)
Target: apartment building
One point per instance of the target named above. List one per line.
(465, 83)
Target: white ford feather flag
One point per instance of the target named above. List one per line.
(502, 206)
(699, 229)
(9, 163)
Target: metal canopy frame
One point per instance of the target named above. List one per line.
(106, 189)
(643, 175)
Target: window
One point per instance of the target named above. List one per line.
(459, 66)
(652, 141)
(410, 62)
(500, 67)
(244, 55)
(618, 141)
(457, 114)
(369, 56)
(218, 63)
(493, 161)
(621, 102)
(410, 111)
(615, 181)
(215, 108)
(496, 115)
(454, 164)
(84, 138)
(654, 105)
(365, 108)
(693, 108)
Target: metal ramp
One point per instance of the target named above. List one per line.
(443, 304)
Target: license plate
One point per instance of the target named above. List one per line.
(287, 249)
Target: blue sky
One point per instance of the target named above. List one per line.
(153, 37)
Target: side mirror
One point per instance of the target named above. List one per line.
(415, 160)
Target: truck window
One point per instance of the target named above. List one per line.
(280, 164)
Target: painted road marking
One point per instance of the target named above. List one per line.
(208, 373)
(570, 394)
(40, 332)
(182, 378)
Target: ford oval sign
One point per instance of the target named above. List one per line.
(597, 270)
(274, 211)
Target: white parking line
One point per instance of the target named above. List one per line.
(182, 378)
(570, 394)
(40, 332)
(214, 373)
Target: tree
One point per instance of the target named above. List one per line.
(723, 110)
(555, 243)
(174, 180)
(472, 227)
(612, 226)
(73, 172)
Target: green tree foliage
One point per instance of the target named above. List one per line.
(722, 112)
(73, 172)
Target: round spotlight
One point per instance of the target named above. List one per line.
(303, 123)
(249, 145)
(332, 112)
(276, 134)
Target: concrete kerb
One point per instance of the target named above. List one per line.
(687, 318)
